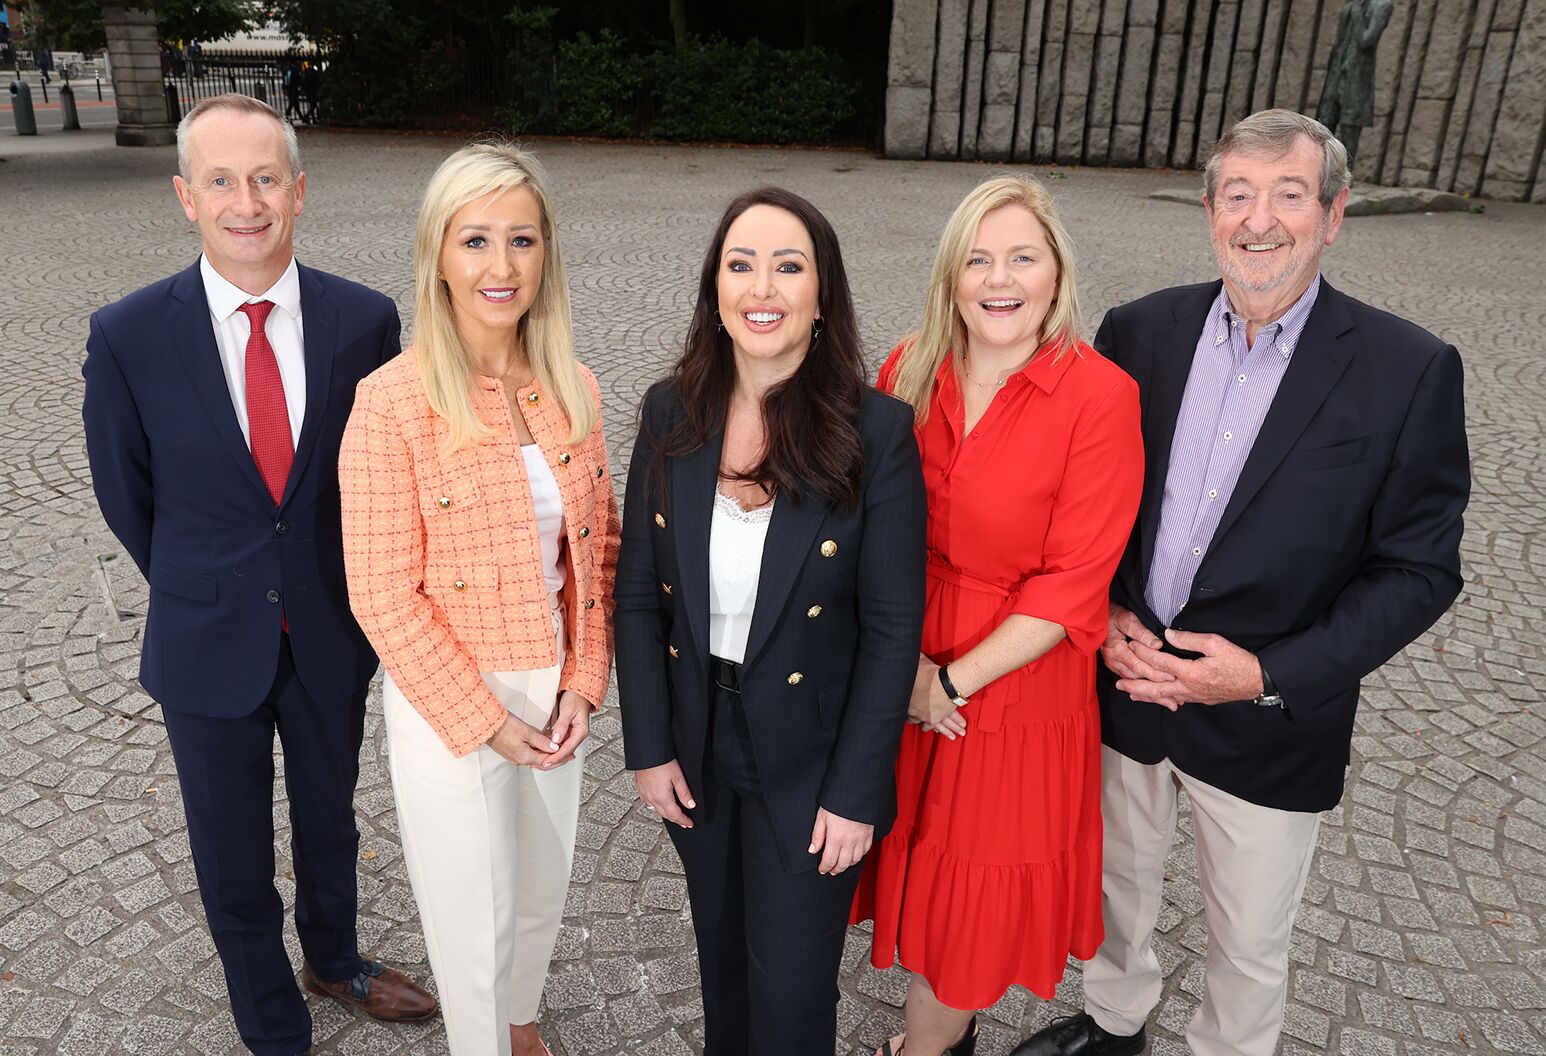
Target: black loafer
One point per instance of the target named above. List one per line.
(1080, 1036)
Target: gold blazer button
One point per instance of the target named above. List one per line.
(829, 548)
(443, 502)
(813, 611)
(666, 587)
(672, 650)
(660, 522)
(795, 678)
(590, 603)
(584, 533)
(531, 398)
(460, 584)
(600, 470)
(564, 458)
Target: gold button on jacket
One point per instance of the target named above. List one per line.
(813, 611)
(660, 522)
(795, 678)
(443, 502)
(460, 584)
(829, 548)
(584, 533)
(672, 650)
(564, 458)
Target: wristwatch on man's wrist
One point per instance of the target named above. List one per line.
(950, 688)
(1269, 697)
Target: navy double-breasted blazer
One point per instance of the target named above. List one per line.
(833, 647)
(177, 485)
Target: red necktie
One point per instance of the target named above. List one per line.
(268, 418)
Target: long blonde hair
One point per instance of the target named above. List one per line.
(943, 332)
(545, 330)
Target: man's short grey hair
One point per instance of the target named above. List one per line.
(241, 104)
(1272, 134)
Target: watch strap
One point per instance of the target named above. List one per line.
(950, 687)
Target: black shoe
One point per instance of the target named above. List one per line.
(1080, 1036)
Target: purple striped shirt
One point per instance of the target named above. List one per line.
(1228, 393)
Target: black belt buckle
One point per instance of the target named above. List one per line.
(726, 674)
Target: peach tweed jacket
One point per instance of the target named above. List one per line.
(444, 562)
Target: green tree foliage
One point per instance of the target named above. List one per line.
(76, 25)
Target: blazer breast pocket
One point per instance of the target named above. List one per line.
(1331, 456)
(448, 496)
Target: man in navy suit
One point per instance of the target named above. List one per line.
(1300, 524)
(215, 403)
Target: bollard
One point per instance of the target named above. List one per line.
(72, 119)
(174, 112)
(21, 108)
(99, 87)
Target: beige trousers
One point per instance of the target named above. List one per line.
(488, 847)
(1252, 862)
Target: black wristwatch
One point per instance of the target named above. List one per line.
(1269, 697)
(950, 689)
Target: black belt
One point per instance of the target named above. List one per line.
(725, 673)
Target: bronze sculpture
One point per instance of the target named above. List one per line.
(1347, 101)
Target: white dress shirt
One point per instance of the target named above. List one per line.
(548, 506)
(736, 539)
(284, 335)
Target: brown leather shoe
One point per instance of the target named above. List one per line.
(384, 993)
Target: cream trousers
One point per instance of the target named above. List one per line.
(1252, 862)
(488, 847)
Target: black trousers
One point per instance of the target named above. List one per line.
(770, 942)
(226, 770)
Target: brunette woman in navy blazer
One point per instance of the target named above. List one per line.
(770, 601)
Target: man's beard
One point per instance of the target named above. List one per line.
(1299, 252)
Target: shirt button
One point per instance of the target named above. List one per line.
(1241, 379)
(564, 458)
(1285, 349)
(1213, 493)
(281, 528)
(273, 597)
(1219, 340)
(1196, 551)
(1228, 435)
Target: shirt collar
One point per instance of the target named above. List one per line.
(225, 297)
(1045, 369)
(1288, 327)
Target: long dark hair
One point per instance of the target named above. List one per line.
(813, 416)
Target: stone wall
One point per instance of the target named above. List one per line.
(1460, 99)
(136, 60)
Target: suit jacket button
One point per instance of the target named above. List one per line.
(443, 502)
(281, 528)
(813, 611)
(590, 603)
(666, 587)
(584, 533)
(672, 650)
(829, 548)
(273, 597)
(660, 522)
(795, 678)
(564, 458)
(460, 584)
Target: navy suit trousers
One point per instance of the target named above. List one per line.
(770, 942)
(226, 769)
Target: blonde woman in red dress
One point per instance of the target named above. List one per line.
(1033, 460)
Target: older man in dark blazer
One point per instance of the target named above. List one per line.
(1301, 522)
(215, 403)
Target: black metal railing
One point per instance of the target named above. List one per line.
(291, 82)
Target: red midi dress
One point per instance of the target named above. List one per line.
(991, 874)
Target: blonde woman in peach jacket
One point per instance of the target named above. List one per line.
(480, 541)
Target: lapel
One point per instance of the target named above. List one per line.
(691, 509)
(1318, 361)
(1170, 363)
(319, 324)
(788, 543)
(194, 336)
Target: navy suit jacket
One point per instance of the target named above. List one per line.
(849, 622)
(1339, 546)
(178, 487)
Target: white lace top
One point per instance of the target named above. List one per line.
(736, 537)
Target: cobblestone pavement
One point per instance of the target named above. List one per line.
(1421, 932)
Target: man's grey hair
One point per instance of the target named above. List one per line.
(1272, 134)
(241, 104)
